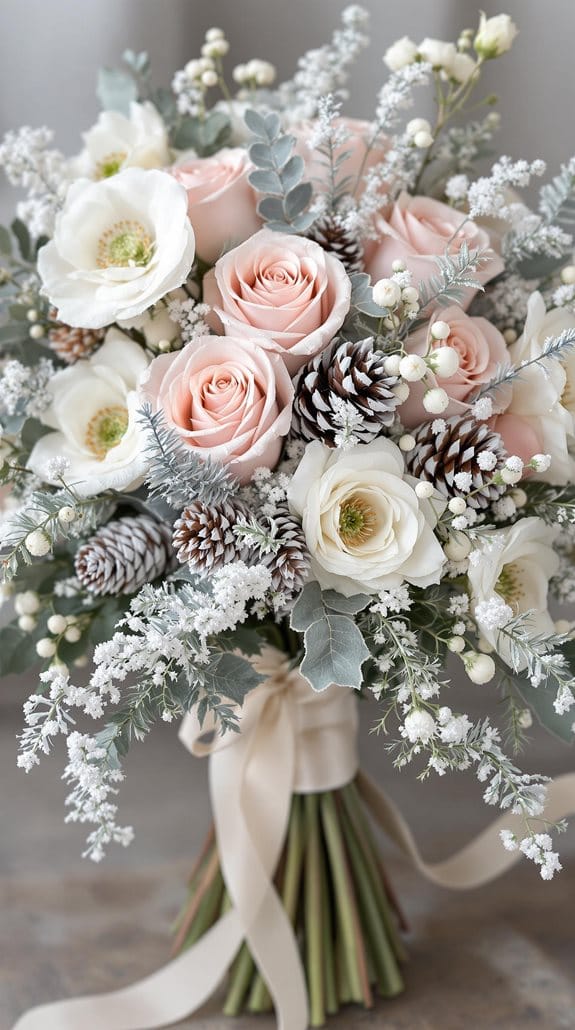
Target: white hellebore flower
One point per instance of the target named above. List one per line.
(516, 565)
(542, 396)
(365, 526)
(495, 35)
(117, 141)
(118, 246)
(94, 413)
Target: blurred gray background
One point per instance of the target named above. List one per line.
(50, 53)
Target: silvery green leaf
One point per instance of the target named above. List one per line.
(231, 676)
(334, 653)
(116, 90)
(139, 62)
(261, 156)
(272, 124)
(281, 149)
(271, 208)
(256, 124)
(20, 231)
(292, 172)
(267, 181)
(362, 296)
(345, 605)
(5, 240)
(297, 200)
(302, 222)
(308, 608)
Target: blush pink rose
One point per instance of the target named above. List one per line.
(360, 156)
(221, 202)
(519, 435)
(418, 230)
(226, 398)
(481, 349)
(284, 289)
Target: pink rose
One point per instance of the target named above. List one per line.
(284, 289)
(481, 349)
(520, 436)
(418, 230)
(225, 397)
(359, 159)
(221, 202)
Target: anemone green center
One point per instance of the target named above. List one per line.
(110, 164)
(125, 244)
(356, 521)
(106, 429)
(508, 585)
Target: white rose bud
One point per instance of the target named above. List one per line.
(38, 543)
(435, 401)
(479, 667)
(438, 53)
(401, 53)
(495, 36)
(444, 361)
(463, 68)
(412, 368)
(386, 293)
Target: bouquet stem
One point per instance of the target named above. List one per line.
(337, 897)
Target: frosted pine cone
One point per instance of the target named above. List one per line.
(290, 563)
(331, 235)
(347, 372)
(439, 457)
(71, 344)
(123, 555)
(204, 536)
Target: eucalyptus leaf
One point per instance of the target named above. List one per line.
(261, 156)
(346, 605)
(297, 200)
(23, 236)
(334, 653)
(264, 180)
(256, 124)
(5, 240)
(292, 172)
(17, 650)
(116, 89)
(271, 208)
(308, 608)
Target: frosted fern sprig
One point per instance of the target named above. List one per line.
(278, 175)
(456, 274)
(554, 504)
(545, 665)
(48, 517)
(557, 197)
(175, 472)
(257, 536)
(554, 349)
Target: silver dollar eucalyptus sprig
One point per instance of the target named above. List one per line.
(278, 175)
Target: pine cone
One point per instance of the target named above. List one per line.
(439, 456)
(70, 343)
(290, 564)
(204, 535)
(331, 235)
(123, 555)
(351, 372)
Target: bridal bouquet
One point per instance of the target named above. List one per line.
(287, 408)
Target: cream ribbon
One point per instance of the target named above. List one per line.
(291, 740)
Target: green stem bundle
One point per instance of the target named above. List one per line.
(336, 896)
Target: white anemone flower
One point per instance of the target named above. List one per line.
(119, 245)
(515, 565)
(117, 141)
(94, 413)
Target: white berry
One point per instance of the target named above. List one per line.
(406, 442)
(423, 140)
(418, 125)
(67, 514)
(457, 505)
(479, 667)
(386, 293)
(38, 543)
(46, 648)
(458, 546)
(27, 603)
(57, 624)
(412, 367)
(435, 400)
(401, 391)
(568, 275)
(391, 364)
(27, 623)
(424, 490)
(440, 330)
(444, 361)
(456, 644)
(72, 634)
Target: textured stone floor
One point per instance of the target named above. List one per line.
(501, 956)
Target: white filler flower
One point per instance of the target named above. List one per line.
(365, 526)
(94, 411)
(119, 245)
(119, 141)
(515, 565)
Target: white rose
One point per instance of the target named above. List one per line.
(495, 35)
(538, 419)
(462, 68)
(94, 413)
(119, 245)
(438, 53)
(516, 565)
(400, 53)
(117, 141)
(365, 526)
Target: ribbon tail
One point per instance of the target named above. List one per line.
(484, 858)
(167, 996)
